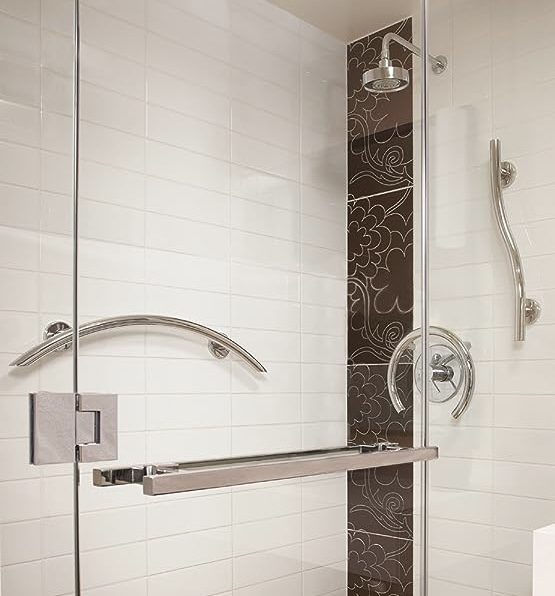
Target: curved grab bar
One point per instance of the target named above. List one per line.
(502, 173)
(64, 339)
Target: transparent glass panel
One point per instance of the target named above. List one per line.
(492, 488)
(36, 504)
(227, 148)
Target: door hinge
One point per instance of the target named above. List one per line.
(68, 427)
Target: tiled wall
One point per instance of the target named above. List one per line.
(380, 286)
(213, 188)
(495, 481)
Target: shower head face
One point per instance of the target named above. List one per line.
(386, 78)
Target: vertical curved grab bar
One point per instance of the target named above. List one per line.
(527, 310)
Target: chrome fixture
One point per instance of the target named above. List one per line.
(164, 479)
(451, 367)
(219, 344)
(70, 426)
(503, 174)
(387, 78)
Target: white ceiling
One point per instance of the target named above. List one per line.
(349, 19)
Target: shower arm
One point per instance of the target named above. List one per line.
(439, 63)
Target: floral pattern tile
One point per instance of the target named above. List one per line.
(380, 274)
(380, 501)
(371, 414)
(380, 152)
(379, 565)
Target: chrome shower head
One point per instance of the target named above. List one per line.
(386, 78)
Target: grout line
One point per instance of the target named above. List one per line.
(379, 194)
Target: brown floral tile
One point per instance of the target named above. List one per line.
(380, 501)
(371, 414)
(380, 152)
(380, 274)
(379, 565)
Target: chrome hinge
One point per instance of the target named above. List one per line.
(68, 427)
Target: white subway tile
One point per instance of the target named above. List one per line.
(255, 313)
(259, 439)
(266, 501)
(207, 308)
(19, 123)
(118, 564)
(319, 580)
(26, 578)
(188, 132)
(324, 551)
(475, 572)
(112, 72)
(264, 188)
(256, 218)
(130, 522)
(190, 202)
(261, 63)
(19, 81)
(252, 153)
(169, 22)
(187, 64)
(186, 376)
(181, 235)
(104, 261)
(112, 147)
(291, 585)
(185, 550)
(187, 98)
(265, 566)
(166, 268)
(264, 282)
(189, 445)
(281, 378)
(30, 11)
(179, 165)
(201, 580)
(112, 223)
(270, 346)
(264, 126)
(112, 34)
(264, 250)
(187, 411)
(19, 165)
(265, 94)
(266, 534)
(266, 409)
(113, 110)
(188, 515)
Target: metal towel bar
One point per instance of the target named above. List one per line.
(171, 478)
(220, 345)
(503, 173)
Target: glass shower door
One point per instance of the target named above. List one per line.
(493, 487)
(36, 504)
(212, 146)
(213, 165)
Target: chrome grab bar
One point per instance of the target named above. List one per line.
(171, 478)
(502, 175)
(220, 345)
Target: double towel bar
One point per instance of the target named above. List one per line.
(164, 479)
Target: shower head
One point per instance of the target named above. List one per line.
(386, 78)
